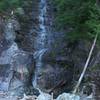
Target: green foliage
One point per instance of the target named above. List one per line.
(81, 16)
(9, 4)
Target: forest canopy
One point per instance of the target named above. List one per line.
(81, 16)
(9, 4)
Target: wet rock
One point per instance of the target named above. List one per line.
(52, 56)
(68, 62)
(17, 68)
(25, 16)
(54, 78)
(16, 65)
(49, 56)
(8, 28)
(16, 24)
(7, 54)
(4, 77)
(3, 41)
(23, 66)
(9, 31)
(67, 96)
(44, 96)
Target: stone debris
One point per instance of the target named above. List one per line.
(44, 96)
(29, 97)
(64, 96)
(67, 96)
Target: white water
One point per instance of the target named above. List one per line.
(40, 42)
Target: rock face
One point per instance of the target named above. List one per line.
(16, 70)
(28, 25)
(62, 67)
(16, 65)
(23, 68)
(63, 61)
(53, 78)
(16, 49)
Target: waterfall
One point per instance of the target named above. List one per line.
(40, 42)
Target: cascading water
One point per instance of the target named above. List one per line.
(40, 42)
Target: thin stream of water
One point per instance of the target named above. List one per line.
(40, 41)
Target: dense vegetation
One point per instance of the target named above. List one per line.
(9, 4)
(81, 16)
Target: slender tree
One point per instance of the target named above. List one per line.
(86, 65)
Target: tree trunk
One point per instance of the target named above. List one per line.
(86, 65)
